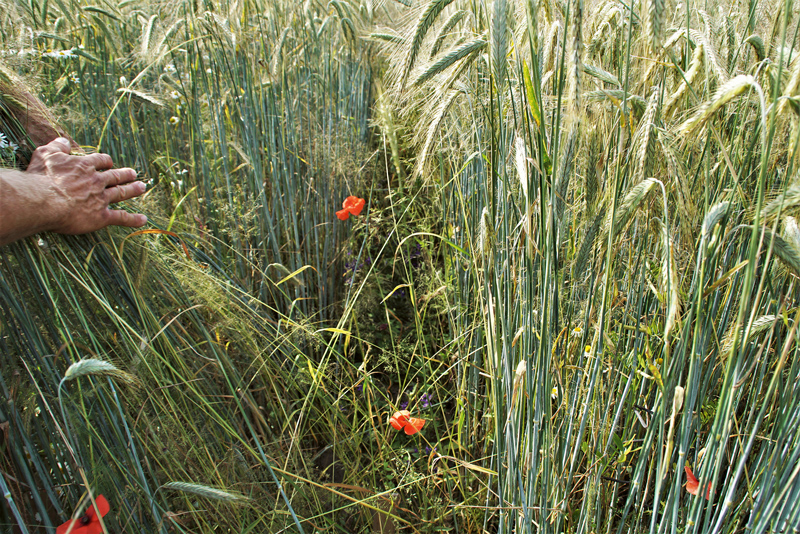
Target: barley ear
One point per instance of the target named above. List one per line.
(433, 128)
(426, 20)
(565, 173)
(654, 22)
(147, 36)
(485, 236)
(730, 33)
(724, 94)
(465, 50)
(499, 42)
(711, 54)
(589, 237)
(789, 199)
(688, 78)
(791, 232)
(785, 251)
(758, 47)
(646, 138)
(96, 367)
(760, 325)
(447, 27)
(669, 272)
(205, 491)
(791, 87)
(277, 54)
(627, 208)
(142, 95)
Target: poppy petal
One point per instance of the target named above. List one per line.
(79, 527)
(399, 419)
(93, 525)
(357, 206)
(414, 425)
(690, 476)
(102, 507)
(343, 215)
(396, 423)
(63, 528)
(693, 485)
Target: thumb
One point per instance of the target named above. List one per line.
(62, 144)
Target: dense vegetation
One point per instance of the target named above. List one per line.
(577, 262)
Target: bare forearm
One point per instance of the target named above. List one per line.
(26, 205)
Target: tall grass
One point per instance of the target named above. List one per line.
(577, 262)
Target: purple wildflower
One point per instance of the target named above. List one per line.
(425, 400)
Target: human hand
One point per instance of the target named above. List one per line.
(83, 187)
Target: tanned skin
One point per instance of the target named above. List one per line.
(65, 193)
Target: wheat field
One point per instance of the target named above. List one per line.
(575, 260)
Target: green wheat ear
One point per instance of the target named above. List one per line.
(425, 22)
(446, 61)
(760, 325)
(96, 367)
(654, 22)
(205, 491)
(733, 88)
(758, 46)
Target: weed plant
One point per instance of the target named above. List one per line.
(577, 262)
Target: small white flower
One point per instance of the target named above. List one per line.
(123, 80)
(577, 331)
(208, 70)
(554, 393)
(183, 171)
(174, 120)
(170, 68)
(174, 95)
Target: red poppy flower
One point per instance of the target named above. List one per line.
(414, 425)
(402, 420)
(89, 523)
(693, 485)
(351, 206)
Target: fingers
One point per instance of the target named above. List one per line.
(124, 218)
(114, 177)
(119, 193)
(100, 162)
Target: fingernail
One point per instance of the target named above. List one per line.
(63, 140)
